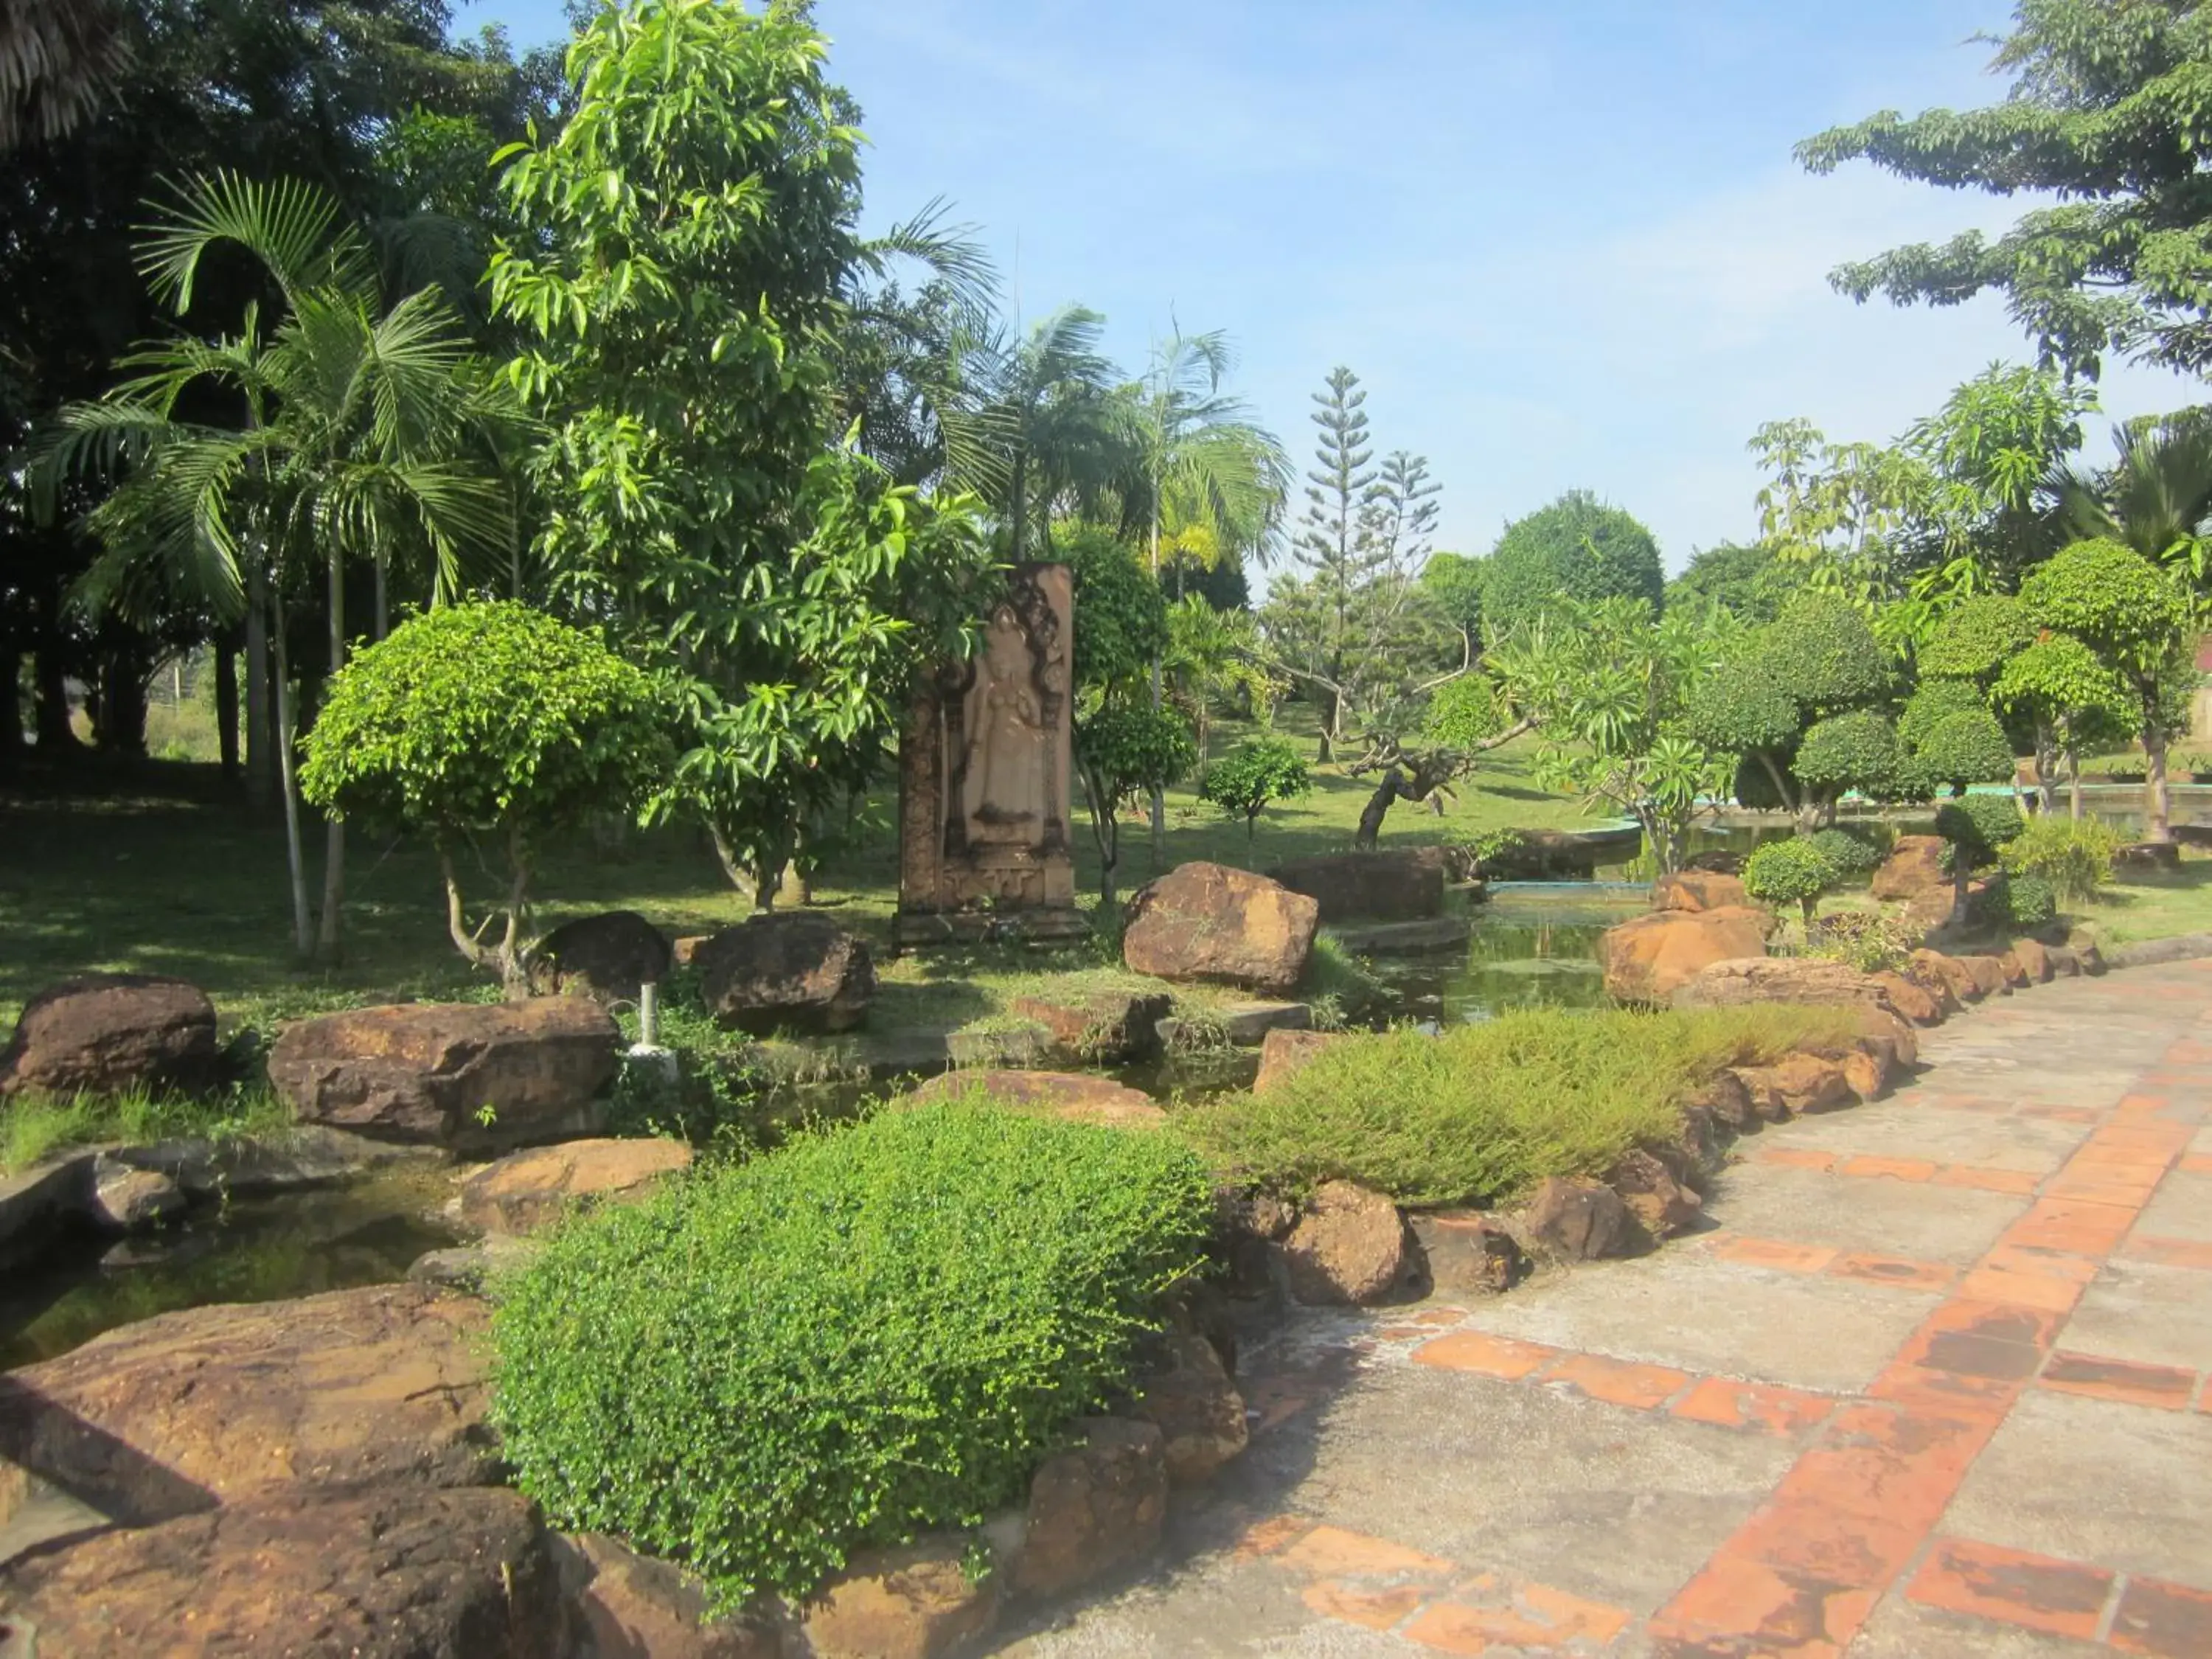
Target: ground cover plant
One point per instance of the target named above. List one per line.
(841, 1344)
(32, 1129)
(1480, 1113)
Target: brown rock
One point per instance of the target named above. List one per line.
(634, 1606)
(1199, 1412)
(1397, 884)
(1094, 1508)
(391, 1572)
(1071, 1094)
(1911, 1000)
(108, 1033)
(1579, 1220)
(176, 1413)
(524, 1191)
(469, 1075)
(1780, 979)
(2064, 963)
(129, 1199)
(1467, 1253)
(1726, 1101)
(2034, 959)
(1283, 1051)
(916, 1601)
(1647, 958)
(2016, 976)
(1660, 1204)
(1797, 1083)
(1961, 980)
(606, 958)
(1865, 1075)
(1699, 889)
(1349, 1247)
(685, 950)
(1101, 1027)
(1989, 974)
(788, 971)
(1207, 923)
(1915, 866)
(1927, 912)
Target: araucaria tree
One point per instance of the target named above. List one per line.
(691, 247)
(2134, 617)
(489, 725)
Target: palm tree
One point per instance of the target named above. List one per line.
(1049, 415)
(57, 58)
(361, 432)
(1201, 461)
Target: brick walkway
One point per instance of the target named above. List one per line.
(1934, 1383)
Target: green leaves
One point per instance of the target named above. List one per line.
(1577, 547)
(1790, 871)
(1255, 773)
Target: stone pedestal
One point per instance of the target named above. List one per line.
(985, 770)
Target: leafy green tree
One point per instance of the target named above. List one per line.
(1125, 749)
(365, 432)
(1817, 662)
(1746, 578)
(691, 256)
(1966, 747)
(1607, 688)
(2105, 115)
(1454, 585)
(1049, 414)
(1978, 828)
(488, 724)
(2156, 496)
(57, 58)
(1577, 547)
(1254, 775)
(1216, 654)
(1790, 871)
(2062, 686)
(2137, 619)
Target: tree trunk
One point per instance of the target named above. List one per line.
(2074, 779)
(225, 648)
(1370, 815)
(383, 593)
(2158, 803)
(1108, 834)
(11, 707)
(727, 856)
(456, 925)
(511, 972)
(1017, 500)
(1159, 795)
(260, 723)
(50, 709)
(118, 705)
(2046, 766)
(327, 937)
(303, 935)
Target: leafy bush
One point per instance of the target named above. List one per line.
(1577, 547)
(1857, 750)
(2074, 855)
(1962, 748)
(1849, 854)
(1255, 773)
(1865, 939)
(1481, 1113)
(2011, 901)
(1978, 826)
(864, 1335)
(1792, 871)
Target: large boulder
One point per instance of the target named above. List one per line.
(389, 1573)
(1199, 1412)
(1071, 1094)
(1349, 1247)
(1093, 1508)
(789, 971)
(1663, 1206)
(608, 957)
(1914, 867)
(175, 1413)
(1210, 923)
(1699, 889)
(467, 1076)
(916, 1601)
(109, 1034)
(1399, 884)
(525, 1191)
(1646, 958)
(1781, 979)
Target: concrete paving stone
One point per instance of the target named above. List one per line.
(1610, 1504)
(2181, 1208)
(1902, 1629)
(1901, 1128)
(2152, 1315)
(1696, 1311)
(2119, 1487)
(1912, 1218)
(1214, 1608)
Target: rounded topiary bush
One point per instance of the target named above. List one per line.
(1849, 854)
(1978, 826)
(1792, 871)
(869, 1333)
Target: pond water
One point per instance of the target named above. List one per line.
(260, 1249)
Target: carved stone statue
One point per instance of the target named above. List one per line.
(983, 779)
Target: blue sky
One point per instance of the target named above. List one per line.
(1562, 242)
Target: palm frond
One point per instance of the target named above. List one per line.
(295, 229)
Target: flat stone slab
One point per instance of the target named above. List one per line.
(1403, 937)
(1893, 1218)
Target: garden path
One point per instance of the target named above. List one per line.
(1933, 1383)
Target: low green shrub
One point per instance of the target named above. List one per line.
(865, 1334)
(1848, 854)
(1865, 939)
(2010, 900)
(32, 1129)
(2074, 855)
(1478, 1113)
(1792, 871)
(1979, 827)
(1334, 977)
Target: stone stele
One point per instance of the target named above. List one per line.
(984, 779)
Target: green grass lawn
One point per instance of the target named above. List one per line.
(157, 867)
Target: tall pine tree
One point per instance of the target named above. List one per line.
(1331, 541)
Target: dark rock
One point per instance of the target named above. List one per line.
(1647, 958)
(466, 1076)
(1397, 883)
(1912, 1000)
(387, 1573)
(1577, 1220)
(1914, 867)
(1209, 923)
(1662, 1207)
(789, 971)
(524, 1191)
(128, 1199)
(1100, 1027)
(175, 1413)
(634, 1606)
(1467, 1253)
(1990, 976)
(1189, 1396)
(606, 958)
(1725, 1101)
(1076, 1096)
(2034, 959)
(1093, 1508)
(1348, 1247)
(1963, 984)
(108, 1033)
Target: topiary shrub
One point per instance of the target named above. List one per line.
(1969, 747)
(1789, 871)
(869, 1333)
(1849, 854)
(2024, 901)
(1577, 547)
(1976, 826)
(1253, 775)
(2074, 855)
(1857, 750)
